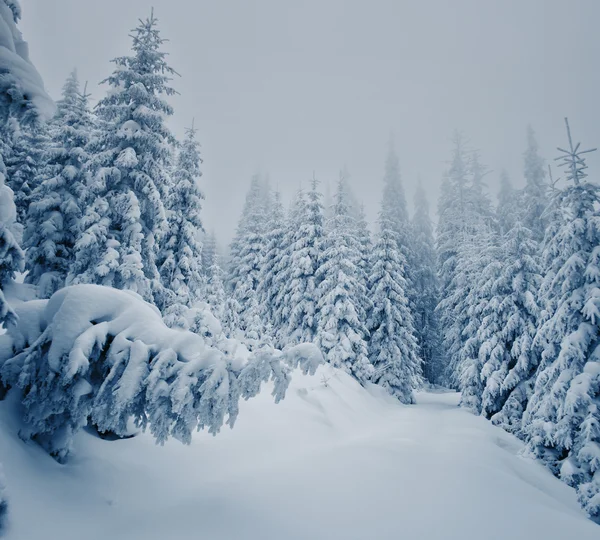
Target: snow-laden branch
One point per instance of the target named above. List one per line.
(100, 355)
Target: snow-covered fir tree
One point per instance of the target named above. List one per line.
(268, 284)
(342, 334)
(281, 285)
(451, 234)
(180, 258)
(507, 210)
(60, 199)
(126, 223)
(562, 421)
(246, 257)
(508, 325)
(27, 164)
(394, 207)
(535, 193)
(393, 348)
(306, 252)
(425, 282)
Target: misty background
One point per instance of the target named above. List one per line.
(288, 88)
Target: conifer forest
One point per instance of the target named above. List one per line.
(301, 354)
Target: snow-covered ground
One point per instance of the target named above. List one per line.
(332, 461)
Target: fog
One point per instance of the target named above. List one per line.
(288, 88)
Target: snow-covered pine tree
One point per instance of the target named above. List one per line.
(125, 225)
(395, 210)
(535, 193)
(393, 347)
(268, 283)
(306, 251)
(507, 210)
(281, 288)
(341, 333)
(476, 270)
(27, 164)
(11, 256)
(246, 256)
(464, 231)
(60, 199)
(425, 282)
(562, 419)
(180, 258)
(508, 325)
(451, 234)
(210, 251)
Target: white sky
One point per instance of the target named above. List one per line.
(287, 87)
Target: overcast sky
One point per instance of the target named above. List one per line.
(287, 87)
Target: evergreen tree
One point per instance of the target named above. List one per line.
(27, 164)
(561, 421)
(58, 202)
(281, 289)
(535, 194)
(269, 284)
(394, 208)
(11, 255)
(508, 325)
(181, 257)
(425, 282)
(507, 209)
(341, 331)
(451, 235)
(305, 258)
(393, 347)
(210, 252)
(246, 258)
(125, 225)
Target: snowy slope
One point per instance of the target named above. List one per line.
(328, 462)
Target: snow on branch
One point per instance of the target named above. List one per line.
(100, 355)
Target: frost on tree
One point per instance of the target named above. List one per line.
(393, 347)
(425, 282)
(342, 333)
(180, 260)
(59, 201)
(100, 355)
(562, 419)
(124, 226)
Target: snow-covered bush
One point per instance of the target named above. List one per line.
(100, 355)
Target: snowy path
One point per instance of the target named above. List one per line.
(333, 462)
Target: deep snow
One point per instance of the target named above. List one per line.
(332, 461)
